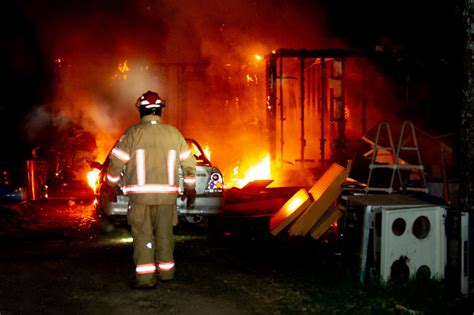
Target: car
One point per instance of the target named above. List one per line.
(10, 194)
(209, 192)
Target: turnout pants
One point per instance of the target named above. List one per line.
(153, 242)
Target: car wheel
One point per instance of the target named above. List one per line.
(195, 219)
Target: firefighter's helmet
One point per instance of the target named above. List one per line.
(150, 103)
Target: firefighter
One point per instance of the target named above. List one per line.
(152, 152)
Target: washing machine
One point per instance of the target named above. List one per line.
(412, 242)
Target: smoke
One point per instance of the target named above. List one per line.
(107, 53)
(37, 121)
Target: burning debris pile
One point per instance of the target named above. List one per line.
(212, 74)
(62, 163)
(210, 71)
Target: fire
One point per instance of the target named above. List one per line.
(261, 170)
(207, 151)
(251, 79)
(123, 68)
(92, 177)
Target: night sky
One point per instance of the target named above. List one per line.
(424, 37)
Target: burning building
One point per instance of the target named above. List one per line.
(210, 62)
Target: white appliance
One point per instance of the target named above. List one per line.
(412, 242)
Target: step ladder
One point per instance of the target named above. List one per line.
(416, 170)
(387, 147)
(397, 163)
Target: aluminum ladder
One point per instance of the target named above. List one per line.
(397, 163)
(388, 147)
(415, 169)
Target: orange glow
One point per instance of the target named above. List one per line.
(258, 57)
(347, 113)
(295, 202)
(105, 142)
(260, 170)
(92, 177)
(298, 203)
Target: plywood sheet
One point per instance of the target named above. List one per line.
(326, 190)
(325, 222)
(296, 205)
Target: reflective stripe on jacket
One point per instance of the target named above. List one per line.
(151, 152)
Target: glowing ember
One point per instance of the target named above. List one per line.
(251, 79)
(123, 69)
(92, 179)
(258, 57)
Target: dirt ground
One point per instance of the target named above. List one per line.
(55, 259)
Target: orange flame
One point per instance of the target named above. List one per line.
(261, 170)
(92, 177)
(123, 69)
(207, 152)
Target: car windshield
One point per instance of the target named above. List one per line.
(201, 158)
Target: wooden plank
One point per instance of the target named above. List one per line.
(296, 205)
(326, 190)
(325, 222)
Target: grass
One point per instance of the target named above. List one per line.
(302, 277)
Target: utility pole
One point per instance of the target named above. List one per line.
(466, 159)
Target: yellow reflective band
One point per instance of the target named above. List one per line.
(120, 154)
(165, 266)
(184, 155)
(189, 180)
(171, 166)
(149, 189)
(141, 167)
(113, 179)
(145, 268)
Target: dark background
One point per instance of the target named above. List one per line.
(421, 42)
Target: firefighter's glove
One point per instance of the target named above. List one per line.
(112, 192)
(190, 195)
